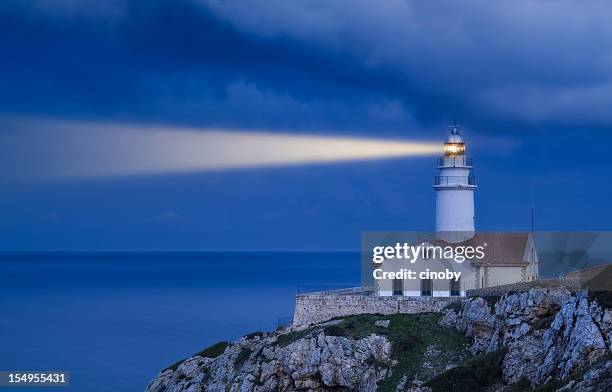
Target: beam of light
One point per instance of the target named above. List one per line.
(82, 150)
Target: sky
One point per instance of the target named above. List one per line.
(529, 82)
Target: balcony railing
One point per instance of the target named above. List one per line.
(455, 181)
(459, 161)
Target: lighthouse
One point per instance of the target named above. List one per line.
(455, 188)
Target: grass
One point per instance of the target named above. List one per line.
(209, 352)
(410, 336)
(357, 327)
(475, 373)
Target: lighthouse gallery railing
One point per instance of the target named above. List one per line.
(455, 180)
(458, 161)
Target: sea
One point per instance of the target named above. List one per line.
(115, 319)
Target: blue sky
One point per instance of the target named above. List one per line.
(529, 81)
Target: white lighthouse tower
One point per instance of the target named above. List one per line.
(454, 187)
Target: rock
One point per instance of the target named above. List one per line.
(450, 318)
(522, 359)
(544, 334)
(314, 362)
(603, 319)
(573, 340)
(547, 333)
(597, 379)
(478, 323)
(401, 385)
(190, 366)
(382, 323)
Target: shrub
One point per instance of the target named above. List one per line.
(522, 385)
(604, 298)
(254, 334)
(213, 351)
(475, 373)
(241, 358)
(210, 352)
(174, 366)
(550, 386)
(288, 338)
(543, 323)
(491, 299)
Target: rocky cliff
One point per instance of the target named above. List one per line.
(540, 338)
(546, 334)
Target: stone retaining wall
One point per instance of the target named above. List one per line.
(523, 286)
(318, 307)
(322, 306)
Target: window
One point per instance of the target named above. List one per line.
(455, 287)
(397, 287)
(426, 287)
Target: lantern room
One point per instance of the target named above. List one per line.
(454, 144)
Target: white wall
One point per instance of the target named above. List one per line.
(504, 275)
(455, 210)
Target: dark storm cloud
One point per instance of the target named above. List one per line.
(330, 64)
(175, 62)
(532, 61)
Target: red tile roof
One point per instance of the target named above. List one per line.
(501, 249)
